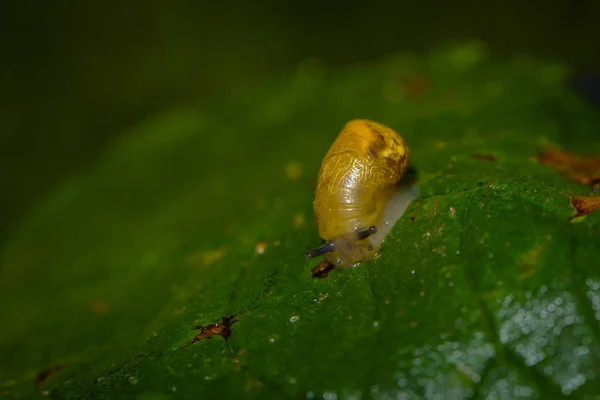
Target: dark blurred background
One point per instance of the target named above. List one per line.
(75, 73)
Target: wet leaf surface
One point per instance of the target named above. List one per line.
(484, 289)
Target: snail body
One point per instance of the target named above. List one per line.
(358, 193)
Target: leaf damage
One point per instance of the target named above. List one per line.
(322, 270)
(42, 378)
(484, 157)
(584, 205)
(583, 170)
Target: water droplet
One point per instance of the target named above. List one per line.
(271, 340)
(581, 351)
(294, 318)
(524, 391)
(174, 389)
(558, 301)
(133, 380)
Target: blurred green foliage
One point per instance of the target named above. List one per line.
(75, 73)
(484, 288)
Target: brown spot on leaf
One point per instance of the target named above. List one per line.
(322, 270)
(433, 210)
(484, 157)
(530, 259)
(43, 377)
(416, 86)
(412, 218)
(222, 329)
(99, 307)
(528, 270)
(584, 170)
(584, 205)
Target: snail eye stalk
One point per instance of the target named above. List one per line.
(365, 233)
(326, 248)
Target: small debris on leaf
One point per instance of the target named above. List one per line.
(452, 212)
(322, 270)
(584, 170)
(43, 377)
(222, 329)
(484, 157)
(261, 247)
(584, 205)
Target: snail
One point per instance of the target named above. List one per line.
(361, 192)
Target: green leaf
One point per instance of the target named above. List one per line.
(484, 288)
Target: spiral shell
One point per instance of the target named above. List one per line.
(358, 180)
